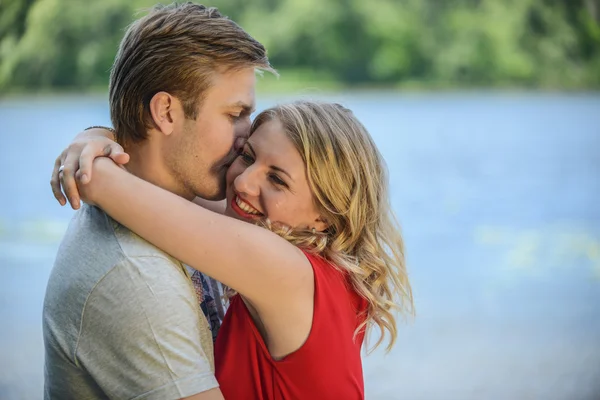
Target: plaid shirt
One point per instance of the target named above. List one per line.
(210, 298)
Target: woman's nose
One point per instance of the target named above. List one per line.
(247, 182)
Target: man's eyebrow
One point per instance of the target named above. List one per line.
(270, 166)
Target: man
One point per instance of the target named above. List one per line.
(120, 317)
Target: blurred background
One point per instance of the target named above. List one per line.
(488, 114)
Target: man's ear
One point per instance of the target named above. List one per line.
(164, 109)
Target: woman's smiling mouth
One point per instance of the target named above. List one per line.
(244, 209)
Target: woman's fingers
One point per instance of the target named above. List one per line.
(75, 165)
(67, 176)
(95, 149)
(55, 181)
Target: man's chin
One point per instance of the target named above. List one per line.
(212, 197)
(216, 194)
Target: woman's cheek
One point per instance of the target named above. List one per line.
(234, 170)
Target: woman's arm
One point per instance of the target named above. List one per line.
(257, 263)
(214, 206)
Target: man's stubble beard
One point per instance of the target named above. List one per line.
(219, 174)
(199, 179)
(205, 181)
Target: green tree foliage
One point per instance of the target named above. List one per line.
(525, 43)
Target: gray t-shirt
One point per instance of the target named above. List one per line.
(121, 318)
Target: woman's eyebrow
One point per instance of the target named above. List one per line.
(281, 170)
(274, 167)
(251, 148)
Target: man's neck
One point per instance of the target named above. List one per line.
(146, 162)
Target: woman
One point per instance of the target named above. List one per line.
(330, 265)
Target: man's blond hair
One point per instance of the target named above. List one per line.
(175, 49)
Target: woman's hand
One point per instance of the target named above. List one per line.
(76, 162)
(104, 170)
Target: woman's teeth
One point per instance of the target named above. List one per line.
(245, 207)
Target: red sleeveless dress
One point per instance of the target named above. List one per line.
(327, 366)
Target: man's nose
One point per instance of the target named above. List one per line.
(242, 132)
(242, 127)
(238, 143)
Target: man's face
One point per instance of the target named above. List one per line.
(202, 149)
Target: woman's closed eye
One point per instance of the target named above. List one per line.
(246, 157)
(277, 180)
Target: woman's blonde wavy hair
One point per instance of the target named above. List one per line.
(348, 178)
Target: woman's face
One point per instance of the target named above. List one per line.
(268, 180)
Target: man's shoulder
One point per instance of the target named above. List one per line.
(90, 233)
(88, 251)
(133, 245)
(95, 247)
(94, 231)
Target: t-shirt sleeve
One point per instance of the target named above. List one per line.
(141, 333)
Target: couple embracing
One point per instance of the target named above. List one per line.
(304, 252)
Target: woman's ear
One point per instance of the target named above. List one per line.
(321, 224)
